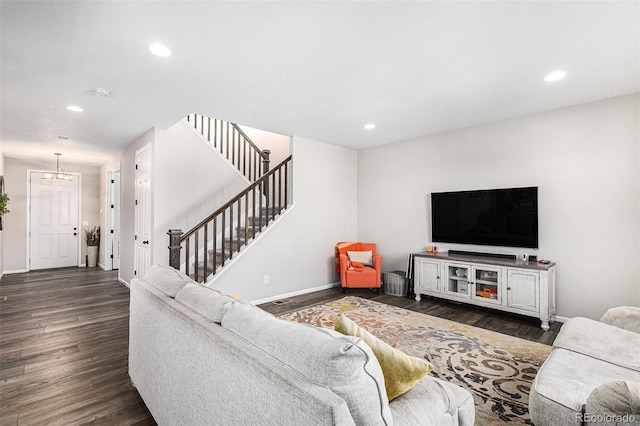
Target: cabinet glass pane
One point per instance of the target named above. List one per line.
(458, 281)
(486, 284)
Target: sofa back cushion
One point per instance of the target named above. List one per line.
(600, 341)
(204, 300)
(344, 364)
(167, 279)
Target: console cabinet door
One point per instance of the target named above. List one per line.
(427, 277)
(487, 284)
(523, 290)
(457, 281)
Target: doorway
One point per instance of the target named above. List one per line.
(54, 212)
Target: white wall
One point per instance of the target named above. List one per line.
(584, 159)
(297, 254)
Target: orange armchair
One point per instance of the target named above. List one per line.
(353, 274)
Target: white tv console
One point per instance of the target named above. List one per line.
(521, 287)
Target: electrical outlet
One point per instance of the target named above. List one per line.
(266, 279)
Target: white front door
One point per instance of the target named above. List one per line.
(142, 257)
(54, 228)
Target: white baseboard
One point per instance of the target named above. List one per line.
(16, 271)
(560, 319)
(296, 293)
(126, 284)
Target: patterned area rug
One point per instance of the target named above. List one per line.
(497, 369)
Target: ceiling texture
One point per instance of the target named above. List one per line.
(320, 70)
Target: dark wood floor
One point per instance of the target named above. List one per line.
(64, 344)
(64, 337)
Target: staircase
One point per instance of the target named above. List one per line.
(230, 246)
(233, 143)
(216, 240)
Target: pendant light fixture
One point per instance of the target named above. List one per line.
(59, 174)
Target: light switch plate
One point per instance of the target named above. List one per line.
(85, 223)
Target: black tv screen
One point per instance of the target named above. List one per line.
(495, 217)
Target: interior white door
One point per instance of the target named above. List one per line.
(54, 227)
(142, 256)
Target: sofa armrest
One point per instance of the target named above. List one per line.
(615, 398)
(625, 317)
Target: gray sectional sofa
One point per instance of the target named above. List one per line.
(592, 376)
(198, 357)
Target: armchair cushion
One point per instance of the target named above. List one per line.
(365, 257)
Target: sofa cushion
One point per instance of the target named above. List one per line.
(564, 382)
(601, 341)
(204, 300)
(625, 317)
(167, 279)
(615, 398)
(401, 371)
(344, 364)
(433, 402)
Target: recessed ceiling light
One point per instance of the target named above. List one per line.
(555, 76)
(160, 50)
(74, 108)
(369, 126)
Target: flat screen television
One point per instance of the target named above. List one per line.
(495, 217)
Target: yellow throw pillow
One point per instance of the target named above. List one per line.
(401, 371)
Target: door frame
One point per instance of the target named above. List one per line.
(108, 247)
(28, 234)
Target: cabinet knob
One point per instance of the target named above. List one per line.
(508, 288)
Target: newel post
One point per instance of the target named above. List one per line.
(174, 247)
(265, 169)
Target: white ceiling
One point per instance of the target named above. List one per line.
(320, 70)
